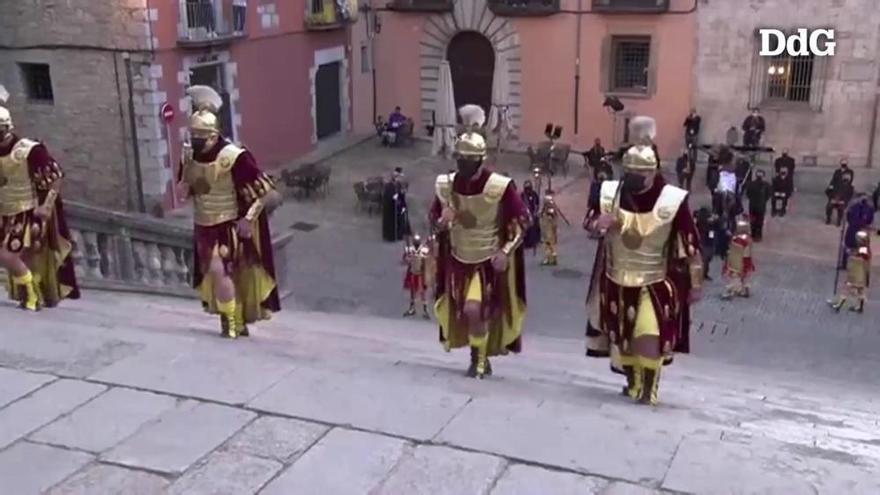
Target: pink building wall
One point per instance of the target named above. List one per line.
(547, 51)
(269, 77)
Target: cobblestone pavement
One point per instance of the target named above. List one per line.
(124, 394)
(342, 266)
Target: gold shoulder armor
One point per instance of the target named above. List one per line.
(443, 187)
(496, 185)
(669, 202)
(228, 155)
(606, 195)
(22, 150)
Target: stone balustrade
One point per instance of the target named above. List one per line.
(127, 252)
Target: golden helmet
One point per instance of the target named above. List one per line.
(641, 155)
(204, 121)
(742, 226)
(5, 115)
(863, 238)
(471, 144)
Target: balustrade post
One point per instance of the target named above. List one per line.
(92, 254)
(154, 264)
(79, 262)
(125, 255)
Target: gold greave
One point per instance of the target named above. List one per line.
(229, 319)
(481, 344)
(634, 376)
(651, 384)
(31, 299)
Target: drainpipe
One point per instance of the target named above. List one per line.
(577, 69)
(871, 138)
(132, 121)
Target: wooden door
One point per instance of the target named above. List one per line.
(472, 63)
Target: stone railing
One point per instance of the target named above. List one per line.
(121, 251)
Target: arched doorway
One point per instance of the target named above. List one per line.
(472, 63)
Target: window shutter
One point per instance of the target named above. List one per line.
(758, 79)
(652, 66)
(817, 83)
(605, 65)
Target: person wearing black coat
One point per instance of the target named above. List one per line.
(758, 191)
(395, 215)
(782, 192)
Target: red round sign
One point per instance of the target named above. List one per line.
(167, 113)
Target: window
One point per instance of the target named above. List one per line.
(37, 82)
(630, 60)
(365, 58)
(786, 80)
(317, 6)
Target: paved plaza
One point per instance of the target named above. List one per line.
(338, 394)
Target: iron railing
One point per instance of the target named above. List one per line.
(524, 8)
(208, 21)
(631, 6)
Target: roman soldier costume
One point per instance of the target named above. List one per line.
(232, 243)
(480, 222)
(739, 266)
(647, 271)
(549, 230)
(34, 237)
(416, 257)
(858, 276)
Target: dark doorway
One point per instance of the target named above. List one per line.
(213, 75)
(472, 62)
(328, 108)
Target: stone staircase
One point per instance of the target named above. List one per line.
(549, 419)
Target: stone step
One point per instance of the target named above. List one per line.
(386, 383)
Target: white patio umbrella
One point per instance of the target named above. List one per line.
(499, 115)
(444, 113)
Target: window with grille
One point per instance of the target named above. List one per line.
(37, 82)
(317, 6)
(787, 80)
(630, 60)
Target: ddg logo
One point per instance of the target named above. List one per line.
(819, 42)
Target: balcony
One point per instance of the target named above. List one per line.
(524, 8)
(631, 6)
(325, 15)
(209, 23)
(421, 5)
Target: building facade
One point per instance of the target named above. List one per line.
(821, 108)
(563, 58)
(95, 83)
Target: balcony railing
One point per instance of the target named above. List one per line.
(322, 15)
(631, 6)
(421, 5)
(210, 22)
(524, 8)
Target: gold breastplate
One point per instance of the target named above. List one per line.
(17, 193)
(857, 271)
(416, 258)
(215, 198)
(639, 250)
(737, 255)
(474, 235)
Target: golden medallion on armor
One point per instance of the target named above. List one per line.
(15, 245)
(201, 186)
(17, 228)
(631, 238)
(631, 314)
(35, 229)
(664, 213)
(223, 251)
(613, 308)
(38, 245)
(667, 347)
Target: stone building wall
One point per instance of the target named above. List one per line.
(726, 61)
(87, 125)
